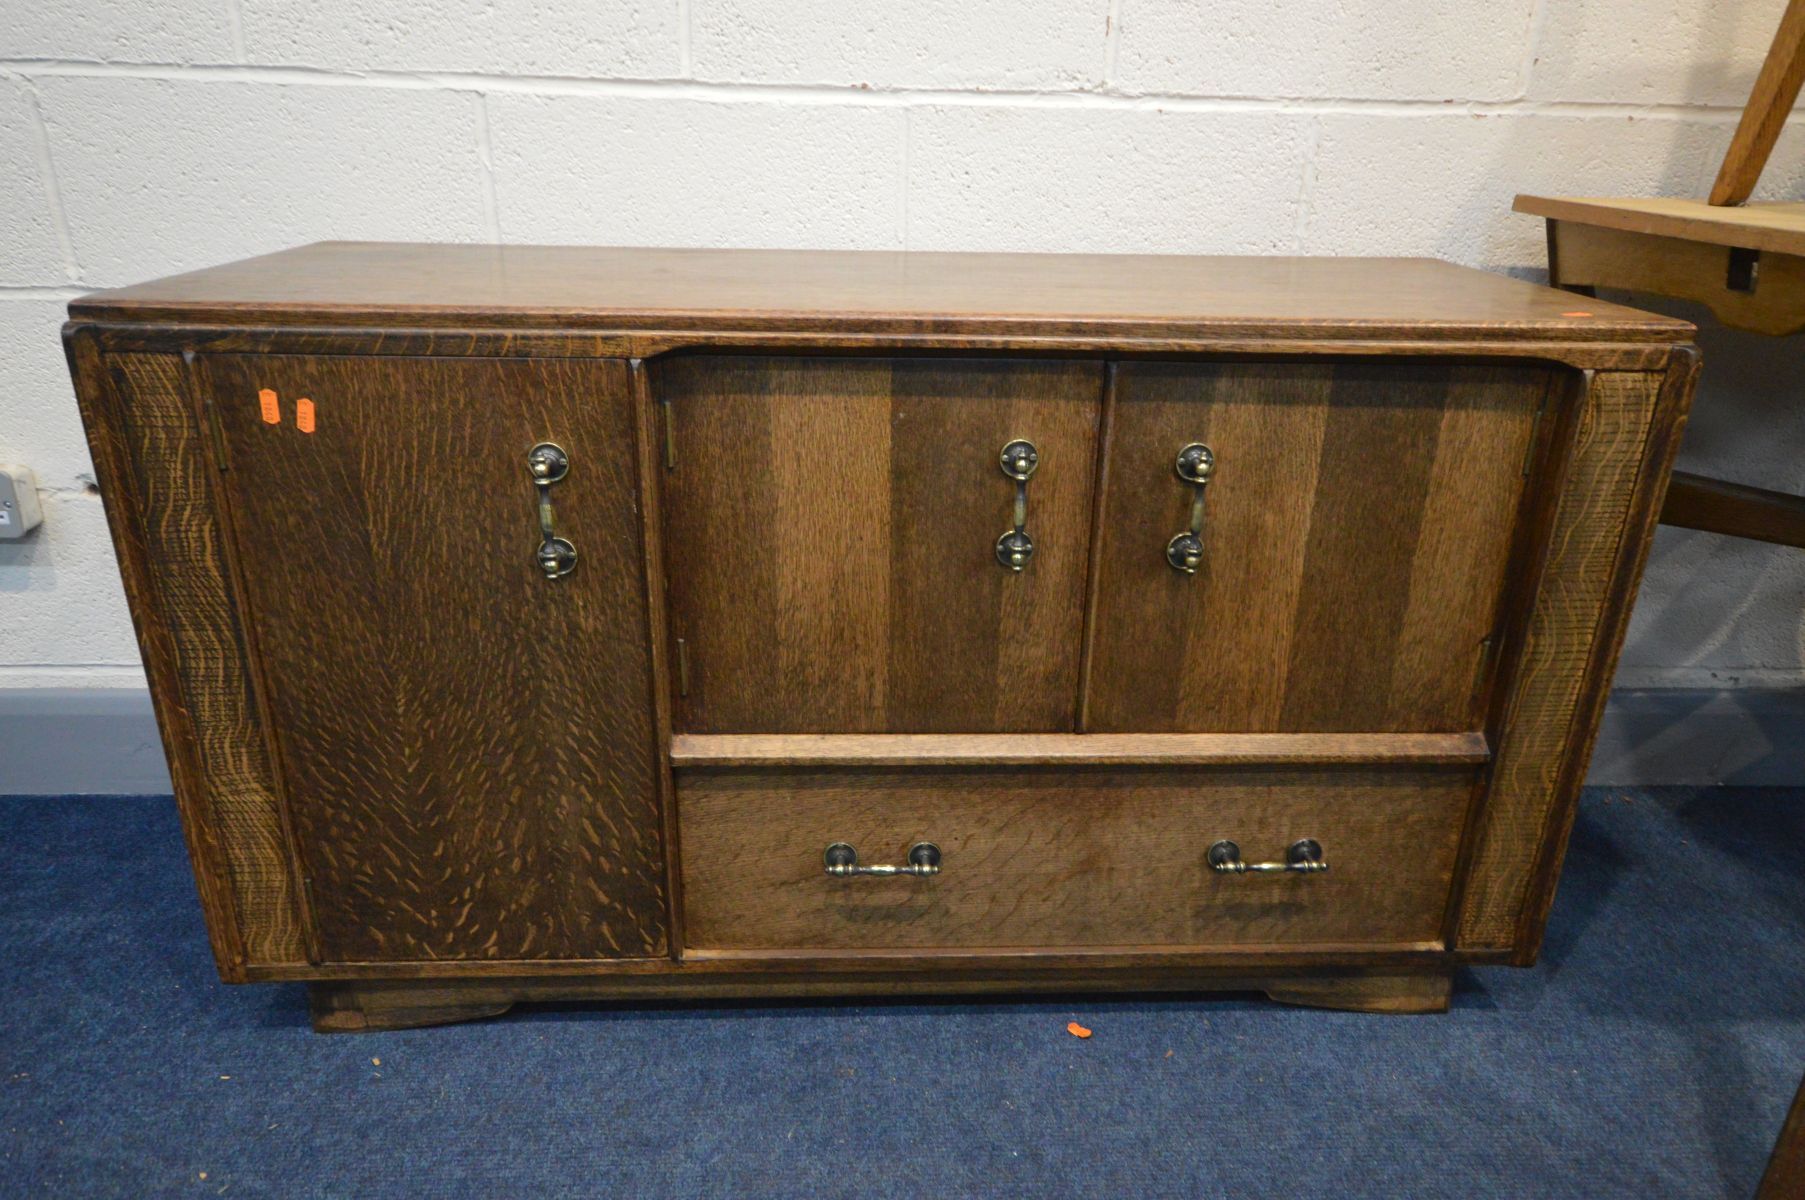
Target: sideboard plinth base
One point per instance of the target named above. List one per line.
(1412, 993)
(352, 1008)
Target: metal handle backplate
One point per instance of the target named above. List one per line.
(842, 860)
(548, 463)
(1196, 463)
(1018, 459)
(1304, 857)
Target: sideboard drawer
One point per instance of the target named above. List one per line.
(1068, 857)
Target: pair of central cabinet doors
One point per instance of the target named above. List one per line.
(469, 750)
(832, 529)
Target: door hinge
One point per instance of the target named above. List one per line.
(682, 667)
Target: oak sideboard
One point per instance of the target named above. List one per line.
(557, 623)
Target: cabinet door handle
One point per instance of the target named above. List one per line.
(1196, 463)
(842, 860)
(1304, 857)
(1015, 547)
(549, 463)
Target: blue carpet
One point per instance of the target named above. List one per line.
(1652, 1053)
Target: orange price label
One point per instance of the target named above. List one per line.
(272, 408)
(304, 415)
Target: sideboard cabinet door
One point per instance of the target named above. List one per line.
(1356, 527)
(832, 529)
(467, 745)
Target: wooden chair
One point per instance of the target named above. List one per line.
(1785, 1177)
(1745, 261)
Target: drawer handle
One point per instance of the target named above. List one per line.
(548, 463)
(1304, 857)
(1015, 547)
(842, 860)
(1196, 463)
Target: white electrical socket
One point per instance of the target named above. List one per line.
(19, 512)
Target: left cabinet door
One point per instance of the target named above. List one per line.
(468, 746)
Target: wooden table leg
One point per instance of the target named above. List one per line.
(1785, 1177)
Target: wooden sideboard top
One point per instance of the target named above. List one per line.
(426, 286)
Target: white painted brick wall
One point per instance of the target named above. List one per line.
(162, 174)
(698, 172)
(30, 251)
(118, 31)
(1025, 45)
(1098, 180)
(141, 139)
(623, 39)
(1651, 51)
(1325, 48)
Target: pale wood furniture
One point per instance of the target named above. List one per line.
(433, 765)
(1746, 262)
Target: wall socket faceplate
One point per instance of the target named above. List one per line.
(19, 512)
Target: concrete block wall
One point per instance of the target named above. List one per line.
(142, 139)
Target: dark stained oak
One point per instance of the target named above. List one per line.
(1625, 434)
(1418, 986)
(1356, 533)
(833, 525)
(468, 746)
(1066, 857)
(158, 476)
(420, 777)
(424, 286)
(1405, 992)
(339, 1008)
(1055, 749)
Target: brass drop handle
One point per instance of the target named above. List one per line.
(1018, 459)
(1304, 857)
(548, 463)
(842, 860)
(1196, 463)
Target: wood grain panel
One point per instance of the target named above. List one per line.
(1063, 858)
(156, 472)
(461, 287)
(1409, 987)
(469, 747)
(1474, 497)
(1072, 749)
(1356, 535)
(1559, 674)
(831, 531)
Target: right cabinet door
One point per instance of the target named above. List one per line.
(1351, 557)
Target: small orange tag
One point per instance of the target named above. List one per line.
(1576, 313)
(1077, 1030)
(304, 415)
(272, 408)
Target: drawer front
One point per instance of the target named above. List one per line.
(1352, 554)
(1064, 858)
